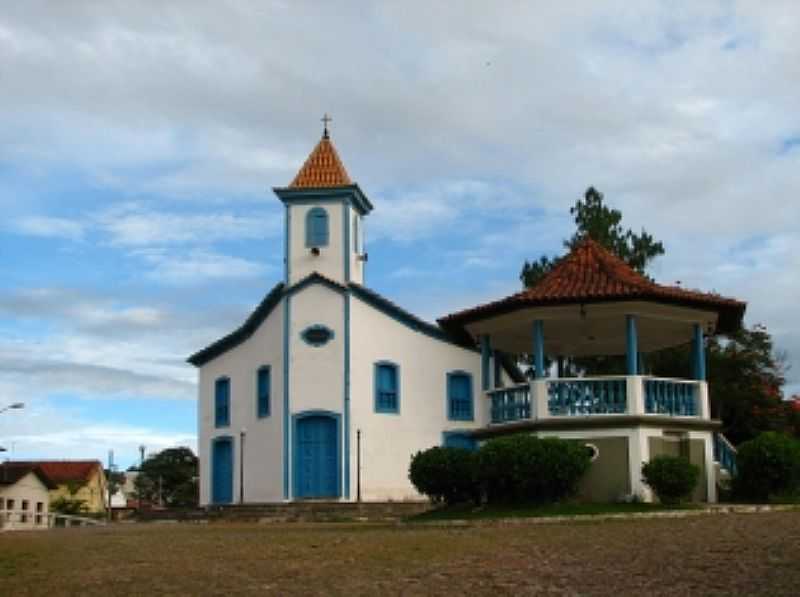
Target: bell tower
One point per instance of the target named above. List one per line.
(324, 219)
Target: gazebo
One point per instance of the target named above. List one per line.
(593, 304)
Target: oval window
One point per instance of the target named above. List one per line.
(317, 335)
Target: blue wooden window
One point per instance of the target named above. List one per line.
(262, 391)
(459, 396)
(457, 439)
(316, 227)
(222, 402)
(387, 388)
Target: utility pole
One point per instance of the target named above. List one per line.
(358, 465)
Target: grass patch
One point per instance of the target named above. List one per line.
(470, 512)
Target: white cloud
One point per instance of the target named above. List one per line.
(647, 101)
(197, 266)
(132, 226)
(50, 227)
(42, 431)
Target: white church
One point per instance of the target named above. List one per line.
(328, 388)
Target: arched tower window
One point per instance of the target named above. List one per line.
(316, 227)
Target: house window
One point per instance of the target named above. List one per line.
(387, 388)
(222, 402)
(262, 391)
(316, 227)
(459, 396)
(24, 510)
(39, 510)
(9, 504)
(356, 237)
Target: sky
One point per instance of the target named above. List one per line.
(139, 143)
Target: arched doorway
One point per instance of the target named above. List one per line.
(317, 455)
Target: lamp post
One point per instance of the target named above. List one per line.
(15, 405)
(242, 435)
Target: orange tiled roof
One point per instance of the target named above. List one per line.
(64, 471)
(591, 273)
(322, 168)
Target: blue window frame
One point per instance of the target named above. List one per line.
(316, 227)
(222, 402)
(459, 396)
(387, 387)
(459, 439)
(263, 383)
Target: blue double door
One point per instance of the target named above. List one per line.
(222, 471)
(317, 457)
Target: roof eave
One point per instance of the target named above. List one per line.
(352, 192)
(730, 313)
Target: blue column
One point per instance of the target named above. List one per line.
(699, 353)
(632, 344)
(486, 351)
(538, 348)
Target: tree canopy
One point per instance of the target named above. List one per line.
(169, 478)
(603, 224)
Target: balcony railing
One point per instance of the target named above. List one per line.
(598, 396)
(670, 397)
(570, 397)
(511, 404)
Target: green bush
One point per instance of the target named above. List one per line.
(526, 469)
(672, 478)
(444, 474)
(768, 466)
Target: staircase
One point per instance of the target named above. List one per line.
(304, 511)
(724, 461)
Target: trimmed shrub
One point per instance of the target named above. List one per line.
(768, 466)
(672, 478)
(444, 474)
(525, 468)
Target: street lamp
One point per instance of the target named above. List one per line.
(242, 435)
(13, 405)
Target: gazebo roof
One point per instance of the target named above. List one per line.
(590, 273)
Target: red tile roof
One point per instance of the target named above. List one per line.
(322, 168)
(591, 273)
(11, 472)
(64, 471)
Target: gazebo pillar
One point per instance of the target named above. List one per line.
(538, 348)
(486, 352)
(698, 353)
(632, 344)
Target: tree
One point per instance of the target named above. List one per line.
(603, 224)
(70, 504)
(114, 479)
(169, 478)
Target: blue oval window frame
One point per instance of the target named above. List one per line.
(317, 335)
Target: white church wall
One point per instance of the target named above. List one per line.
(316, 378)
(389, 440)
(330, 261)
(263, 452)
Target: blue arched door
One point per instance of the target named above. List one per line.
(317, 457)
(222, 471)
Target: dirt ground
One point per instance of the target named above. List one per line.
(745, 554)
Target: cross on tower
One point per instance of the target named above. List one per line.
(325, 120)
